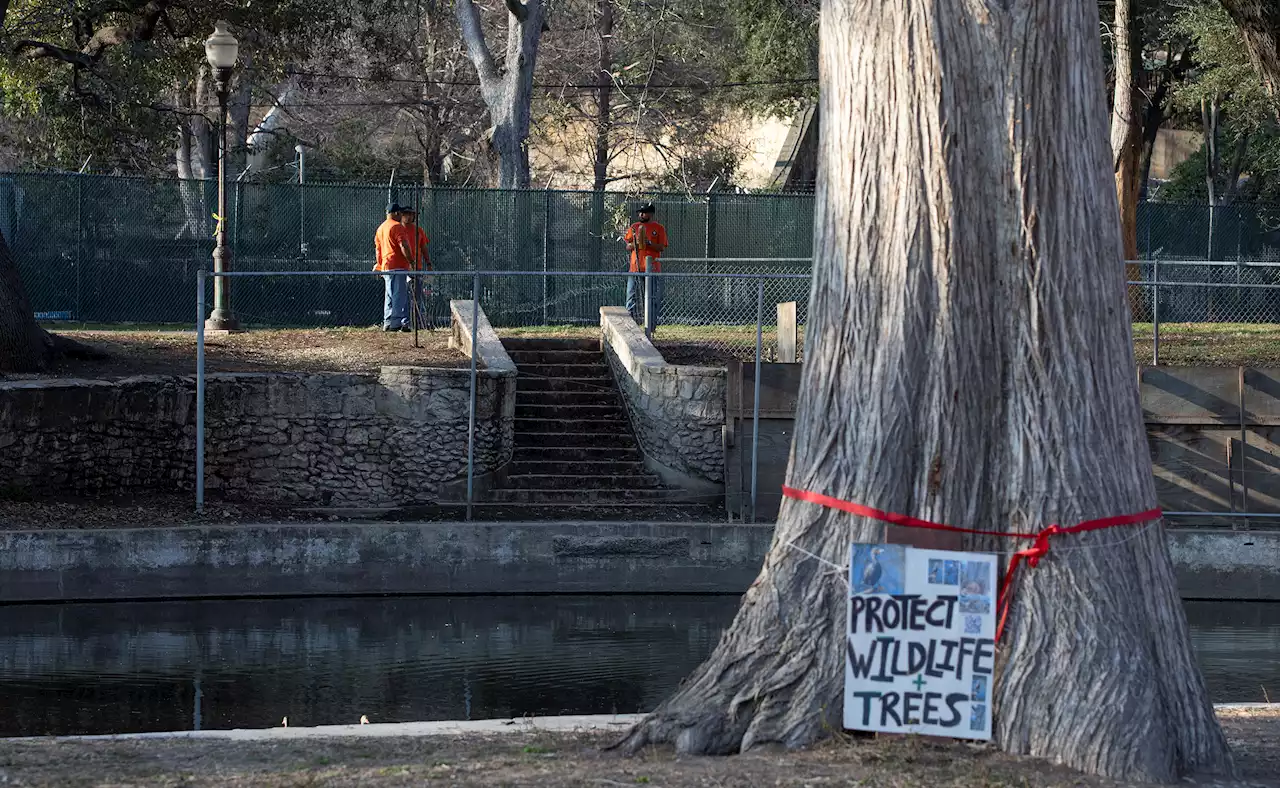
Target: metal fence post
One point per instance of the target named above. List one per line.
(648, 301)
(1155, 314)
(755, 404)
(471, 414)
(200, 310)
(1244, 449)
(79, 313)
(709, 242)
(546, 254)
(302, 202)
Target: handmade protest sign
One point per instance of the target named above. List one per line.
(920, 645)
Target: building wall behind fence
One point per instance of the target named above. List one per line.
(109, 249)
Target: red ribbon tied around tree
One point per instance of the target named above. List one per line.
(1039, 547)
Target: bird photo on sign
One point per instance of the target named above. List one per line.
(877, 569)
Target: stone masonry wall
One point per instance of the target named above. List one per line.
(677, 411)
(396, 437)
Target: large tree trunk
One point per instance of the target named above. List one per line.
(194, 154)
(1259, 23)
(24, 346)
(507, 93)
(968, 361)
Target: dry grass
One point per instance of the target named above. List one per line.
(1181, 344)
(154, 351)
(160, 350)
(556, 761)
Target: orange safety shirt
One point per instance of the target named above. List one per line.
(386, 246)
(421, 260)
(646, 240)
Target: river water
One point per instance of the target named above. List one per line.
(155, 666)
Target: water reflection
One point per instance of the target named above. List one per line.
(1238, 645)
(125, 667)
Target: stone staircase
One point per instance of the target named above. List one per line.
(575, 454)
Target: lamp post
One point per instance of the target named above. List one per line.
(222, 51)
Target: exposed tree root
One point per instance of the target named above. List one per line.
(777, 675)
(65, 347)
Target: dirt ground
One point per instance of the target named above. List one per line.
(20, 512)
(561, 760)
(169, 352)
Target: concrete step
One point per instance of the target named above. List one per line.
(595, 384)
(587, 497)
(573, 454)
(577, 468)
(614, 426)
(542, 343)
(567, 399)
(598, 372)
(576, 440)
(581, 484)
(613, 412)
(618, 511)
(523, 357)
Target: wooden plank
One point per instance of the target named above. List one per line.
(788, 332)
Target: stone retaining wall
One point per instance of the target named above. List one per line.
(396, 437)
(677, 411)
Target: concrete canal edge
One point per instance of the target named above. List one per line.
(479, 558)
(575, 723)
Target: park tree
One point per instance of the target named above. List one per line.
(97, 80)
(1259, 23)
(1126, 122)
(968, 360)
(507, 89)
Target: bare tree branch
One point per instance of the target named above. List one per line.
(149, 17)
(39, 49)
(473, 34)
(517, 9)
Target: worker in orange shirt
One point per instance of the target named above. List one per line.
(646, 240)
(392, 254)
(419, 260)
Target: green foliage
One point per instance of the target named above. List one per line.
(119, 109)
(1223, 70)
(771, 41)
(1223, 73)
(1261, 168)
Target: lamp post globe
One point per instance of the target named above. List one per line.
(223, 52)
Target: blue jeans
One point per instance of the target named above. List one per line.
(635, 299)
(395, 301)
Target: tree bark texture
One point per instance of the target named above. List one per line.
(968, 361)
(1126, 127)
(194, 154)
(1259, 23)
(24, 346)
(507, 92)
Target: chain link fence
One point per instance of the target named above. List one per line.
(703, 318)
(99, 249)
(116, 250)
